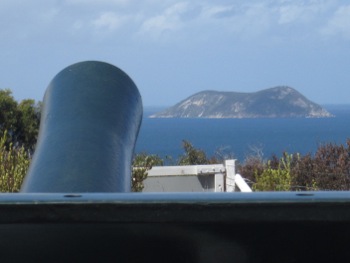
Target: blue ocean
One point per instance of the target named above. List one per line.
(241, 138)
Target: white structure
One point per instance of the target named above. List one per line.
(195, 178)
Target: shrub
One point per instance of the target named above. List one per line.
(329, 169)
(192, 155)
(142, 162)
(14, 164)
(275, 179)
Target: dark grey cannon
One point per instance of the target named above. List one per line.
(89, 125)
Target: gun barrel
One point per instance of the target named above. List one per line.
(89, 125)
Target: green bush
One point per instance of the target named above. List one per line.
(275, 179)
(328, 169)
(142, 162)
(14, 164)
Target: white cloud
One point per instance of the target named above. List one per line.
(241, 21)
(109, 21)
(96, 3)
(206, 20)
(182, 21)
(257, 19)
(339, 23)
(169, 20)
(302, 11)
(218, 11)
(289, 14)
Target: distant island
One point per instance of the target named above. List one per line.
(277, 102)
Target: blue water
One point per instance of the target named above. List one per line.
(240, 138)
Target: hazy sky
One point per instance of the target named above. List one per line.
(172, 49)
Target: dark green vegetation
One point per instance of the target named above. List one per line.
(20, 120)
(19, 126)
(278, 102)
(327, 169)
(14, 163)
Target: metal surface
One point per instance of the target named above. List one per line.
(241, 183)
(211, 227)
(176, 207)
(182, 183)
(193, 178)
(90, 121)
(230, 175)
(186, 170)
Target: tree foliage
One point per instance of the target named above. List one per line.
(142, 162)
(192, 155)
(20, 120)
(8, 112)
(29, 121)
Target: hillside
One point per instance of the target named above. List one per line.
(277, 102)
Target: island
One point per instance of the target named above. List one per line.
(277, 102)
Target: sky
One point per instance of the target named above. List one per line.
(173, 49)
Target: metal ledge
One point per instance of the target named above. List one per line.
(200, 228)
(177, 207)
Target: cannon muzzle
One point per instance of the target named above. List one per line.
(89, 125)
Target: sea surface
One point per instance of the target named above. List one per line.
(241, 138)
